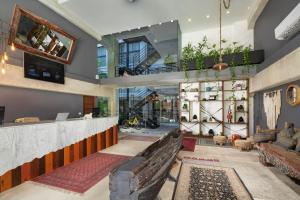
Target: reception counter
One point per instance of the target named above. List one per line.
(29, 150)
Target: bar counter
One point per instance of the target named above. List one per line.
(20, 145)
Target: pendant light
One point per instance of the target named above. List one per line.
(220, 65)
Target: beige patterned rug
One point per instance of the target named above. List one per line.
(210, 183)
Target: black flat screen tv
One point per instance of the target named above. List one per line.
(39, 68)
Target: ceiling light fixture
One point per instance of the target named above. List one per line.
(149, 26)
(221, 65)
(207, 16)
(160, 23)
(172, 20)
(227, 12)
(189, 19)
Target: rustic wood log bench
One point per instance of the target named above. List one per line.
(143, 176)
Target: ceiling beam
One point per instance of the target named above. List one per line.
(59, 9)
(255, 12)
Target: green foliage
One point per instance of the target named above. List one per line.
(169, 59)
(246, 58)
(203, 50)
(188, 54)
(200, 55)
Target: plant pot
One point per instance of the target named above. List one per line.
(255, 57)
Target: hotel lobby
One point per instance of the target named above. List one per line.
(149, 100)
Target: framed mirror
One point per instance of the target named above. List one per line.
(293, 95)
(36, 35)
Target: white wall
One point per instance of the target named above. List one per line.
(237, 32)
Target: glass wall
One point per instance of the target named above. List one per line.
(102, 66)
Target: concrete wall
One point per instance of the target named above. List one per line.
(21, 102)
(264, 37)
(237, 32)
(288, 113)
(84, 64)
(28, 97)
(281, 65)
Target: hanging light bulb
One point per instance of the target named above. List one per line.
(3, 71)
(12, 47)
(3, 60)
(5, 56)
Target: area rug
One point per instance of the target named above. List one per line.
(201, 159)
(189, 144)
(81, 175)
(141, 138)
(210, 182)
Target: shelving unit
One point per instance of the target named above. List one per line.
(210, 102)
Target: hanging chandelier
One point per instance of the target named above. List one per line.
(4, 34)
(221, 65)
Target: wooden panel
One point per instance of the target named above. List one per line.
(67, 159)
(107, 134)
(6, 181)
(25, 172)
(49, 163)
(59, 158)
(111, 136)
(94, 143)
(76, 151)
(16, 176)
(89, 103)
(103, 140)
(99, 142)
(34, 168)
(89, 146)
(115, 135)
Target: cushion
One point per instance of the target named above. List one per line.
(286, 132)
(286, 142)
(297, 138)
(264, 137)
(297, 149)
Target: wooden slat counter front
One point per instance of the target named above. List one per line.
(29, 150)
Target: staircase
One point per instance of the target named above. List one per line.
(139, 97)
(144, 59)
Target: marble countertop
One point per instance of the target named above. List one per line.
(21, 143)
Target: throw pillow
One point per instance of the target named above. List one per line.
(286, 142)
(264, 137)
(297, 137)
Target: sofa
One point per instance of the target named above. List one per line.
(280, 148)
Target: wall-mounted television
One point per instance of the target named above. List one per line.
(39, 68)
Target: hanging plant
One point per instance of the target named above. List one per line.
(188, 55)
(214, 52)
(200, 55)
(246, 58)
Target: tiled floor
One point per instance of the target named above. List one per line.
(260, 180)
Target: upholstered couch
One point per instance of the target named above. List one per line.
(280, 148)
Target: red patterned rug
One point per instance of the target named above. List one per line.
(189, 144)
(81, 175)
(141, 138)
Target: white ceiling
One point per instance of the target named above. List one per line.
(101, 17)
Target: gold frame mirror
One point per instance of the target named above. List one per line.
(36, 35)
(293, 95)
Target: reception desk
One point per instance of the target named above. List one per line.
(29, 150)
